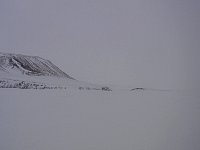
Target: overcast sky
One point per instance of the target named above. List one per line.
(152, 43)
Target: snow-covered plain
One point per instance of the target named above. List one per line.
(98, 120)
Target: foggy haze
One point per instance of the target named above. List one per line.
(152, 43)
(149, 48)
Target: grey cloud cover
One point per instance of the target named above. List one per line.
(153, 43)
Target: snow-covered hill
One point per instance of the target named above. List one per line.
(29, 65)
(33, 72)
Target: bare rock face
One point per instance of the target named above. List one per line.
(29, 65)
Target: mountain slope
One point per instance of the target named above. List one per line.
(29, 65)
(33, 72)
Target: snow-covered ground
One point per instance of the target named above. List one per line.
(33, 72)
(8, 79)
(97, 120)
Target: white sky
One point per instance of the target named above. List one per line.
(150, 43)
